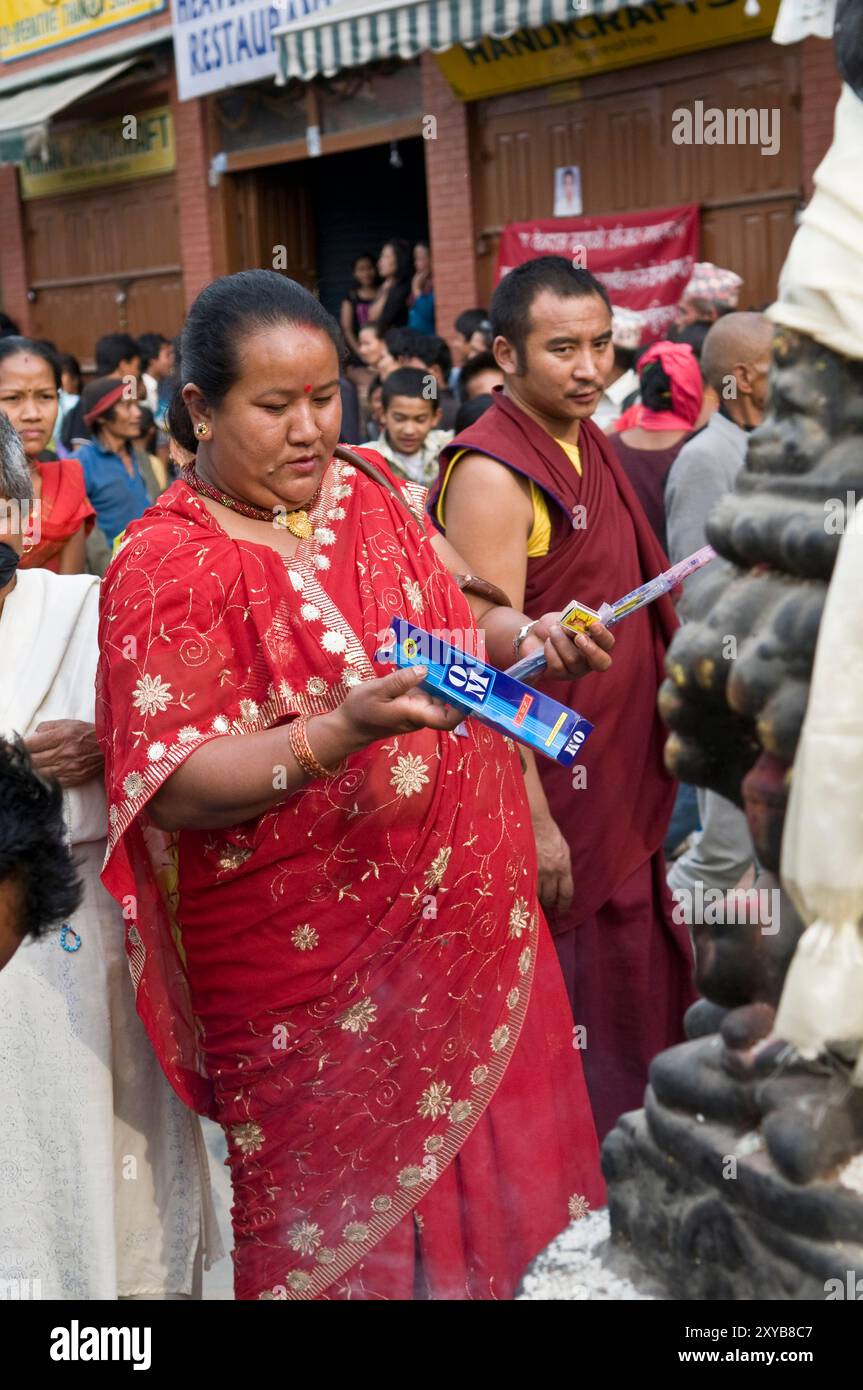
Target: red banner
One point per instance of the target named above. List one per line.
(644, 259)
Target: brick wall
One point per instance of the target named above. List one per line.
(195, 198)
(451, 222)
(820, 85)
(13, 262)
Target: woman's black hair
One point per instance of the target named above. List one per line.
(228, 310)
(655, 387)
(404, 254)
(12, 345)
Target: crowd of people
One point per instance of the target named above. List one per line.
(334, 895)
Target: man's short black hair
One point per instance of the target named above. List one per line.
(113, 349)
(401, 342)
(410, 381)
(434, 351)
(149, 346)
(512, 300)
(470, 411)
(469, 320)
(33, 849)
(481, 362)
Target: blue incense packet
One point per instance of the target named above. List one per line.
(487, 694)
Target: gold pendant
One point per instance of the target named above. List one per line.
(297, 523)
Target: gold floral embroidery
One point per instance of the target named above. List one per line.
(325, 1255)
(433, 1144)
(435, 1100)
(413, 594)
(233, 856)
(305, 938)
(499, 1038)
(479, 1075)
(188, 734)
(133, 785)
(355, 1232)
(152, 695)
(410, 1177)
(438, 867)
(512, 998)
(578, 1207)
(248, 1137)
(334, 642)
(299, 1280)
(315, 685)
(249, 710)
(461, 1111)
(518, 917)
(221, 725)
(357, 1018)
(305, 1237)
(310, 611)
(351, 678)
(381, 1204)
(524, 961)
(156, 751)
(409, 775)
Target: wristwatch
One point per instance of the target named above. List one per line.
(521, 634)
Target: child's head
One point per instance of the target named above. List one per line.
(376, 402)
(410, 408)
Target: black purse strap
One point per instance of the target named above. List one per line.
(371, 470)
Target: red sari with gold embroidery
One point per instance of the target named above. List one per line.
(358, 985)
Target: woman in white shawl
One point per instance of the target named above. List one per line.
(105, 1178)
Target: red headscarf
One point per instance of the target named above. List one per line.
(681, 367)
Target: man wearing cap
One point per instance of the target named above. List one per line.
(621, 384)
(711, 292)
(118, 476)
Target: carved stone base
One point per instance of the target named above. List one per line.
(700, 1204)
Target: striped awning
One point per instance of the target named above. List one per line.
(348, 33)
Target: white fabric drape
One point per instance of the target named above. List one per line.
(105, 1178)
(822, 847)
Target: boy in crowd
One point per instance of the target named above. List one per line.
(411, 440)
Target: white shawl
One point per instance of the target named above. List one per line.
(822, 846)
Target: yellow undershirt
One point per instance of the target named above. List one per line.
(539, 540)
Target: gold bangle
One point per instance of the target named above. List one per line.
(302, 751)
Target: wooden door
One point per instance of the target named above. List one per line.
(105, 261)
(273, 209)
(619, 134)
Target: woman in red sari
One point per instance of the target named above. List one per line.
(331, 896)
(30, 397)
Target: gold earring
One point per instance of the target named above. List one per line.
(201, 428)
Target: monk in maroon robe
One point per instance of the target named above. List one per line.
(535, 500)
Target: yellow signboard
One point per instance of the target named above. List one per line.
(588, 44)
(30, 26)
(89, 156)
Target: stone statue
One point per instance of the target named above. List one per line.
(742, 1178)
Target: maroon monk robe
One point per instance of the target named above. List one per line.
(627, 965)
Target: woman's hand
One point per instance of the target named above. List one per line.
(391, 705)
(66, 750)
(568, 657)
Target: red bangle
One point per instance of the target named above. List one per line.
(301, 750)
